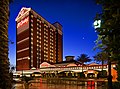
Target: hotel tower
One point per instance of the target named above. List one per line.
(37, 40)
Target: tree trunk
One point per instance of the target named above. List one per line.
(82, 67)
(102, 66)
(5, 81)
(109, 74)
(26, 85)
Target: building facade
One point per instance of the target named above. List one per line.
(72, 69)
(37, 40)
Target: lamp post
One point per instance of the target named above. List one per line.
(97, 25)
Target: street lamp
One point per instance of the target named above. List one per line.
(97, 24)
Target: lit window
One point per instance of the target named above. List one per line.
(31, 20)
(37, 37)
(32, 29)
(44, 47)
(31, 38)
(37, 24)
(31, 34)
(104, 66)
(37, 49)
(31, 25)
(37, 32)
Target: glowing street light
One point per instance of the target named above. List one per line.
(97, 24)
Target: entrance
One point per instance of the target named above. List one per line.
(91, 75)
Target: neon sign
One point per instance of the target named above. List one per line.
(24, 21)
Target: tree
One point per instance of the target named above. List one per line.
(109, 32)
(101, 57)
(82, 59)
(5, 81)
(11, 71)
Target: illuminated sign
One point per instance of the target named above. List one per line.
(24, 21)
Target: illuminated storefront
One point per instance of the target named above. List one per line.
(72, 70)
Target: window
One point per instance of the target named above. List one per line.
(31, 52)
(37, 32)
(31, 25)
(31, 15)
(32, 20)
(31, 34)
(38, 24)
(104, 66)
(31, 29)
(37, 36)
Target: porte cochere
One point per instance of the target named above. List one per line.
(72, 70)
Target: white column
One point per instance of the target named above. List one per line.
(85, 75)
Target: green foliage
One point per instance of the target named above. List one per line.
(82, 75)
(5, 79)
(116, 85)
(83, 58)
(101, 57)
(102, 74)
(109, 32)
(118, 71)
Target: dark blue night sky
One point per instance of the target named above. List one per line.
(76, 17)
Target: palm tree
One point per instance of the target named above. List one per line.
(82, 59)
(5, 81)
(101, 57)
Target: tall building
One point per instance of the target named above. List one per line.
(37, 40)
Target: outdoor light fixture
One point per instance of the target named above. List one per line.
(97, 24)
